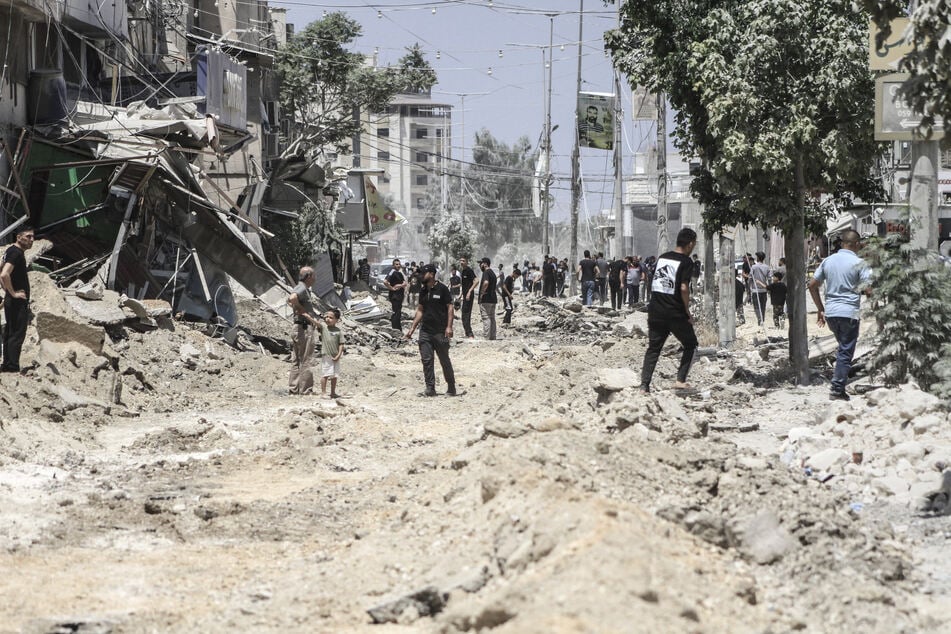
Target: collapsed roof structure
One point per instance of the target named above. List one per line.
(145, 151)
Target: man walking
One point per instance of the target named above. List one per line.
(669, 310)
(843, 272)
(602, 277)
(488, 298)
(16, 305)
(301, 300)
(587, 272)
(468, 289)
(759, 280)
(434, 313)
(396, 284)
(506, 290)
(617, 277)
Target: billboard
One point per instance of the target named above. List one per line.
(596, 120)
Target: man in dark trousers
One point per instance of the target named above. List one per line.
(669, 309)
(468, 290)
(488, 298)
(843, 273)
(396, 284)
(617, 276)
(434, 315)
(507, 291)
(16, 309)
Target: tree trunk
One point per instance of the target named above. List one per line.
(709, 278)
(795, 239)
(727, 305)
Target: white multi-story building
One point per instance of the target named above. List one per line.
(412, 144)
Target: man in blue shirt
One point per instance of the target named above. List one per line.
(843, 273)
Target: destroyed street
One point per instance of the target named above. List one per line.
(169, 483)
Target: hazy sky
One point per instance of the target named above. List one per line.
(462, 40)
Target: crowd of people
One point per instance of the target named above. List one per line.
(664, 282)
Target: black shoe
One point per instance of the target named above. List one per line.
(428, 392)
(839, 396)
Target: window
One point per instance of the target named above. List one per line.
(438, 133)
(422, 157)
(383, 132)
(422, 133)
(422, 179)
(383, 156)
(420, 203)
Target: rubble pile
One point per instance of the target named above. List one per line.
(892, 447)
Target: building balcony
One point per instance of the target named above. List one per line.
(97, 19)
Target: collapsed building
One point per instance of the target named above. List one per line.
(143, 140)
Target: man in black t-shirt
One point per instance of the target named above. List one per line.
(587, 272)
(396, 283)
(617, 274)
(434, 315)
(507, 291)
(16, 305)
(669, 309)
(488, 298)
(468, 295)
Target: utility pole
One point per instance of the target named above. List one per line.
(618, 169)
(546, 204)
(663, 240)
(576, 167)
(546, 197)
(462, 160)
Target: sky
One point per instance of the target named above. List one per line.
(493, 51)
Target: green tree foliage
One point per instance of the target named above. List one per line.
(324, 86)
(775, 97)
(453, 237)
(498, 191)
(910, 305)
(315, 230)
(928, 89)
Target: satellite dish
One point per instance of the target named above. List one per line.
(945, 248)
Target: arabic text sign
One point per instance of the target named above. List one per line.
(892, 50)
(894, 119)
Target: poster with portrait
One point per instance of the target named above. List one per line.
(596, 120)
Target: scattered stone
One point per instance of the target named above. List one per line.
(425, 602)
(762, 538)
(828, 459)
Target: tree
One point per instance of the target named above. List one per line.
(928, 88)
(452, 237)
(498, 194)
(324, 86)
(774, 96)
(315, 230)
(910, 307)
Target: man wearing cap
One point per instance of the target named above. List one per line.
(488, 298)
(434, 315)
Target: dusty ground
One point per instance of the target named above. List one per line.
(207, 499)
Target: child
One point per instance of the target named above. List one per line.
(331, 349)
(777, 297)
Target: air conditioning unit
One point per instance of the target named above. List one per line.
(272, 145)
